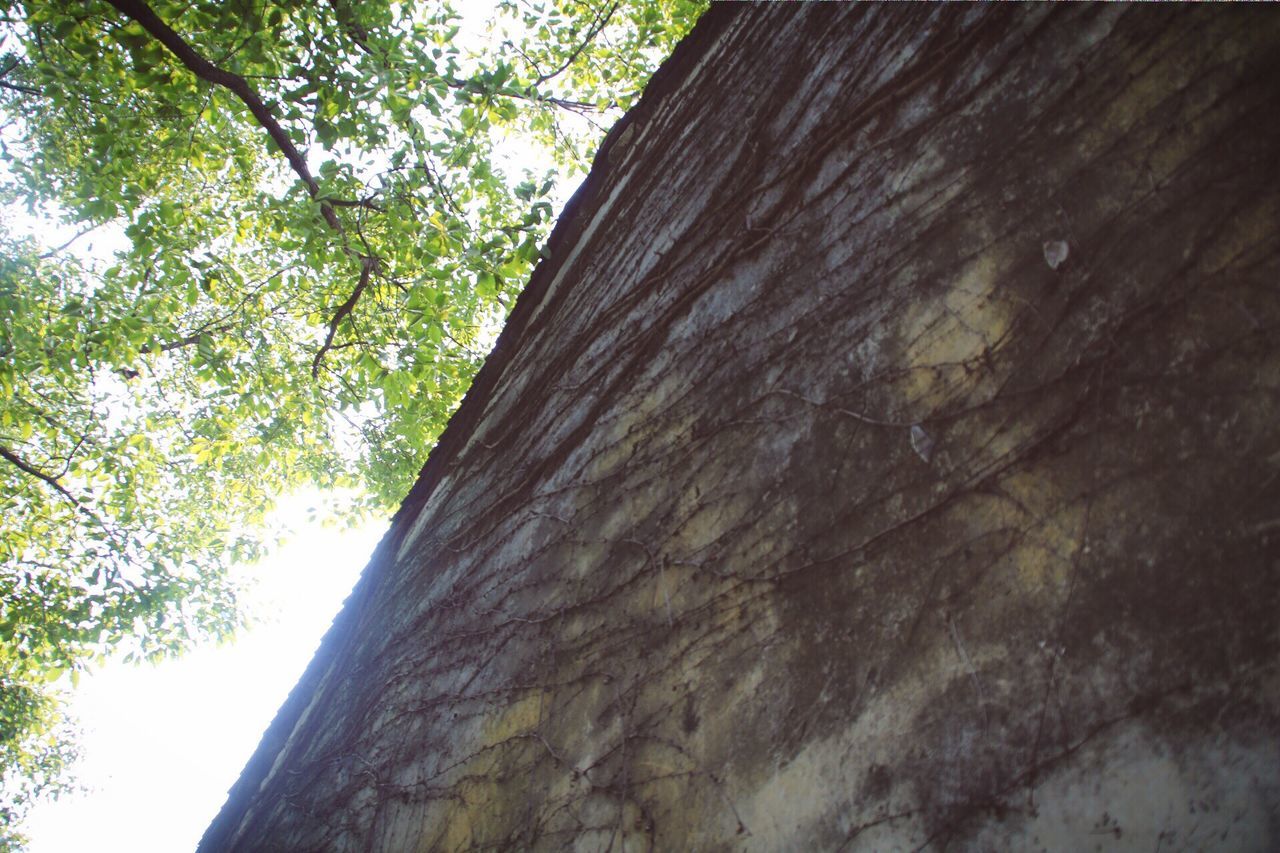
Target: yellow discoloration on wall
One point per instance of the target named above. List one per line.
(614, 455)
(520, 717)
(1051, 530)
(1039, 564)
(1151, 76)
(1136, 110)
(708, 524)
(479, 797)
(779, 807)
(1048, 529)
(790, 801)
(633, 425)
(954, 332)
(666, 592)
(981, 447)
(1249, 228)
(1142, 93)
(465, 819)
(931, 182)
(584, 558)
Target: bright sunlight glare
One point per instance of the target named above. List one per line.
(163, 743)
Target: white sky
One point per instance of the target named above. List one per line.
(163, 743)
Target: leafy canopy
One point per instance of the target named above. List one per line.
(319, 217)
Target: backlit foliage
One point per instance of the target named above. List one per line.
(299, 294)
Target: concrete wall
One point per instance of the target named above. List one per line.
(886, 458)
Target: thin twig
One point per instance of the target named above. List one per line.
(596, 26)
(44, 256)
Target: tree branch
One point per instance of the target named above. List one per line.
(186, 341)
(9, 456)
(366, 203)
(14, 87)
(367, 265)
(355, 32)
(238, 86)
(531, 95)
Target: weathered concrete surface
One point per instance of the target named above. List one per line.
(812, 500)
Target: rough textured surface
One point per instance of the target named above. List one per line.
(886, 458)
